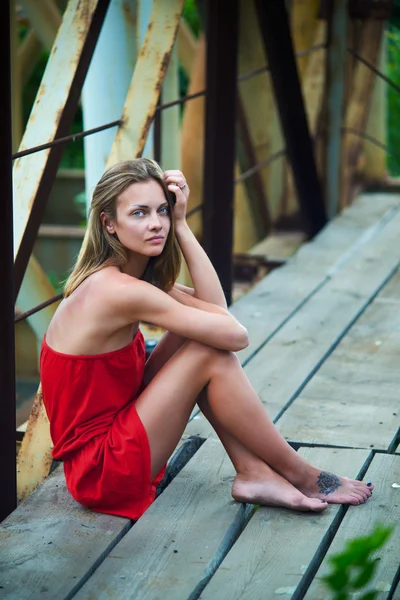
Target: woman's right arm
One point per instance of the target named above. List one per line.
(195, 319)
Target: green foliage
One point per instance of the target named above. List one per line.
(393, 97)
(354, 568)
(58, 280)
(192, 17)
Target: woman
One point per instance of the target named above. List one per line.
(115, 420)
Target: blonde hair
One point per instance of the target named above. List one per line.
(102, 249)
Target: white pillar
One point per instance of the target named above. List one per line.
(144, 9)
(170, 117)
(106, 85)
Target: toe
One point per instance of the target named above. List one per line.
(314, 504)
(354, 500)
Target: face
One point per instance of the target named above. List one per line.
(143, 219)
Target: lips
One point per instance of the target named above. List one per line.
(156, 238)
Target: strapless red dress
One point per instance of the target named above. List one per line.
(96, 430)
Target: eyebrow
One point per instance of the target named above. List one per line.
(145, 205)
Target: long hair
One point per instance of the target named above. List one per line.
(102, 249)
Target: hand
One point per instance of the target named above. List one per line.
(176, 183)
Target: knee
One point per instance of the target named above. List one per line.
(213, 356)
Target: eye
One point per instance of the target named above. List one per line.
(137, 213)
(164, 210)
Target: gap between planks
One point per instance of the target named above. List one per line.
(281, 278)
(50, 532)
(200, 532)
(265, 372)
(383, 508)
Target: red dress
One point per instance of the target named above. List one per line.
(96, 430)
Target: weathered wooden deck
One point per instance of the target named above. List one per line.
(324, 358)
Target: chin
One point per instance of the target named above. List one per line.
(156, 251)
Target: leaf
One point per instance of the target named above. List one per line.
(369, 596)
(353, 568)
(358, 551)
(380, 536)
(338, 580)
(365, 575)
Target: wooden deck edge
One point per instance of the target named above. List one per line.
(99, 560)
(178, 460)
(337, 341)
(395, 587)
(383, 469)
(301, 261)
(242, 520)
(243, 516)
(394, 443)
(184, 452)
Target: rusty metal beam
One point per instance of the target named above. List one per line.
(34, 458)
(30, 49)
(275, 29)
(335, 90)
(219, 152)
(35, 289)
(144, 90)
(8, 495)
(51, 117)
(45, 18)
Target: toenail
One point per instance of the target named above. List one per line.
(369, 484)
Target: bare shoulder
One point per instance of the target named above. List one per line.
(110, 285)
(120, 287)
(122, 295)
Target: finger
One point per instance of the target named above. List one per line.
(181, 184)
(178, 180)
(176, 189)
(173, 173)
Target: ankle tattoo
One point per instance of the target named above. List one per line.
(327, 483)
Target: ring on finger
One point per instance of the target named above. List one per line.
(181, 187)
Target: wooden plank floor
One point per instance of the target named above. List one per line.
(325, 341)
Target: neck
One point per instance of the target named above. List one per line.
(135, 265)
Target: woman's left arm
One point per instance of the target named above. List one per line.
(206, 283)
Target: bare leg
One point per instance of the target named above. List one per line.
(255, 481)
(165, 406)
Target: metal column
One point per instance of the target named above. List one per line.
(278, 45)
(219, 158)
(8, 483)
(336, 72)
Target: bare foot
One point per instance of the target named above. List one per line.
(333, 489)
(273, 490)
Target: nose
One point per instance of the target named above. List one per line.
(155, 222)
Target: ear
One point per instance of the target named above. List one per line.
(107, 223)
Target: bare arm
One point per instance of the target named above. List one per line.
(205, 280)
(185, 295)
(193, 319)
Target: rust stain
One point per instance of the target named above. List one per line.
(165, 61)
(41, 93)
(145, 130)
(83, 12)
(34, 462)
(58, 115)
(82, 18)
